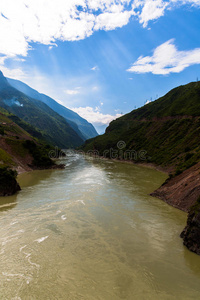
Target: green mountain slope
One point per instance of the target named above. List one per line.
(53, 127)
(83, 128)
(19, 152)
(18, 148)
(165, 132)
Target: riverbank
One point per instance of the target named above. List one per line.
(181, 191)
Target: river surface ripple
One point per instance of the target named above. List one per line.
(91, 231)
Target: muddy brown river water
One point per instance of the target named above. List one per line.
(91, 231)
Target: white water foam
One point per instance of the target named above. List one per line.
(42, 239)
(13, 223)
(7, 205)
(81, 201)
(22, 248)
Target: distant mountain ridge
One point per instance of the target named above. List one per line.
(83, 128)
(53, 127)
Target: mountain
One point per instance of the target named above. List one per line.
(53, 127)
(84, 129)
(19, 152)
(165, 132)
(16, 145)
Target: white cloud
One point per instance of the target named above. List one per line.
(25, 22)
(152, 10)
(166, 59)
(94, 116)
(94, 68)
(72, 92)
(47, 21)
(110, 21)
(147, 102)
(14, 73)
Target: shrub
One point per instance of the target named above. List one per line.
(178, 172)
(2, 130)
(6, 175)
(188, 156)
(40, 155)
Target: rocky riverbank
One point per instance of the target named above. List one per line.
(183, 192)
(8, 182)
(191, 233)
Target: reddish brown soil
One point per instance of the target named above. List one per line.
(181, 191)
(21, 163)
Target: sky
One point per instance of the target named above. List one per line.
(101, 58)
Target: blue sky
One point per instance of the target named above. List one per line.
(101, 58)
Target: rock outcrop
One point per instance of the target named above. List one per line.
(191, 233)
(10, 189)
(8, 183)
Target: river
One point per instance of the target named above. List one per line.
(91, 231)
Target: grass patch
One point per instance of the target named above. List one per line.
(17, 147)
(5, 158)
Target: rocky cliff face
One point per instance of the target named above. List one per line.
(191, 233)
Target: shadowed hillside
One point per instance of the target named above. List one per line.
(82, 127)
(53, 127)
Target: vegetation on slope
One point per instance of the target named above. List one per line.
(18, 146)
(168, 129)
(40, 154)
(18, 149)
